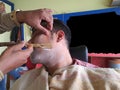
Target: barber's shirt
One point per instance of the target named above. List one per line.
(73, 77)
(6, 24)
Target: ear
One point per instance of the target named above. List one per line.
(60, 35)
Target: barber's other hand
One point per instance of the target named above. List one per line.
(34, 18)
(14, 57)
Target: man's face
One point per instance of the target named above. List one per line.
(40, 55)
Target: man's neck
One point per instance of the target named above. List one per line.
(59, 63)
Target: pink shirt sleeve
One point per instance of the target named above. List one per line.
(82, 63)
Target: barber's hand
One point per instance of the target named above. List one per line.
(14, 57)
(34, 18)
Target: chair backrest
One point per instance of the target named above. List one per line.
(79, 52)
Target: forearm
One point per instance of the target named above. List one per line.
(21, 16)
(4, 66)
(9, 20)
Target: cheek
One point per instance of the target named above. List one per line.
(35, 55)
(39, 56)
(44, 52)
(43, 39)
(40, 39)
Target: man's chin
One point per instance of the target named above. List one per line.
(34, 61)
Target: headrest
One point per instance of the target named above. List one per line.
(79, 52)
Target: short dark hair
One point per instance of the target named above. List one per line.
(59, 25)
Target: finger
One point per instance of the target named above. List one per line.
(49, 19)
(49, 22)
(42, 28)
(14, 48)
(50, 25)
(19, 46)
(27, 51)
(48, 10)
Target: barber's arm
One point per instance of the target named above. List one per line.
(13, 57)
(31, 17)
